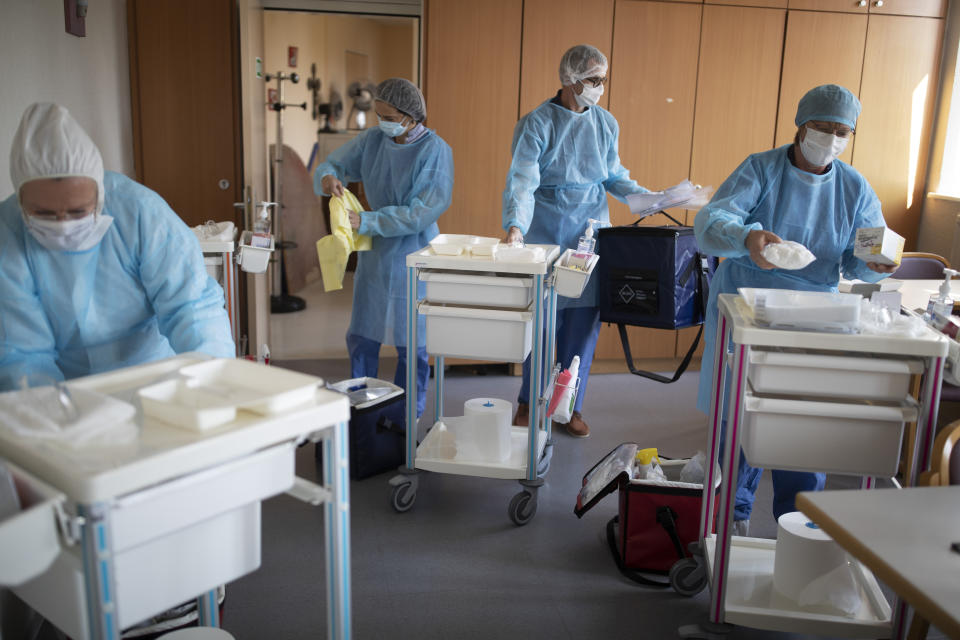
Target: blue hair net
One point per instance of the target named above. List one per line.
(829, 103)
(404, 96)
(581, 61)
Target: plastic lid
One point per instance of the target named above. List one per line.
(646, 456)
(589, 232)
(945, 286)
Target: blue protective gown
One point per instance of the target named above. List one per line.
(408, 186)
(564, 164)
(822, 212)
(139, 295)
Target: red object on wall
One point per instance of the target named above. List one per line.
(272, 95)
(292, 56)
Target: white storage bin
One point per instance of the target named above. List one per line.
(176, 402)
(571, 282)
(253, 259)
(833, 437)
(471, 288)
(831, 376)
(480, 334)
(28, 540)
(251, 386)
(812, 310)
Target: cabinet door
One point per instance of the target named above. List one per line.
(652, 93)
(550, 27)
(776, 4)
(820, 48)
(898, 91)
(737, 85)
(845, 6)
(923, 8)
(473, 84)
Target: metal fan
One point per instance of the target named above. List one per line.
(362, 95)
(331, 111)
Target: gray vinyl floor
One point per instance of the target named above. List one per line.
(456, 567)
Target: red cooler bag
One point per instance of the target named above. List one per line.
(656, 520)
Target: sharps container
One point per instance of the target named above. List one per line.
(377, 425)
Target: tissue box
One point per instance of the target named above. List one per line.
(878, 244)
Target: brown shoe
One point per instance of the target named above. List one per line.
(577, 427)
(522, 417)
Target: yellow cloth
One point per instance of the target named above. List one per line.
(334, 250)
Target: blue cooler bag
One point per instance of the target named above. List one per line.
(653, 277)
(377, 426)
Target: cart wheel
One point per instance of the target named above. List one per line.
(522, 508)
(403, 497)
(687, 577)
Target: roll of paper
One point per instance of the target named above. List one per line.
(804, 553)
(489, 420)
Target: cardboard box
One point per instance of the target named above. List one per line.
(878, 244)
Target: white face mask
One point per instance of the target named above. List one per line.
(820, 149)
(69, 235)
(590, 95)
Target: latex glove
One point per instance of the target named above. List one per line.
(514, 236)
(332, 185)
(882, 268)
(756, 241)
(354, 218)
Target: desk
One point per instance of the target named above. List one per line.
(904, 537)
(172, 514)
(916, 293)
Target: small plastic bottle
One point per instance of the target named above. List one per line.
(647, 465)
(568, 398)
(261, 227)
(941, 302)
(580, 259)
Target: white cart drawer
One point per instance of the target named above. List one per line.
(833, 437)
(483, 290)
(831, 376)
(481, 334)
(28, 540)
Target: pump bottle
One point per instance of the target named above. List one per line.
(580, 259)
(941, 302)
(647, 465)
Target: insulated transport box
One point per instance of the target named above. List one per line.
(652, 277)
(377, 431)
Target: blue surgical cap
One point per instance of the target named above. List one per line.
(404, 96)
(829, 103)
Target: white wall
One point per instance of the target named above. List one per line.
(90, 76)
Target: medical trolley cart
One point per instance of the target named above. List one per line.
(483, 308)
(811, 401)
(119, 532)
(218, 259)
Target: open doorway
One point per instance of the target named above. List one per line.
(339, 59)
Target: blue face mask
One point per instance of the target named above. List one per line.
(392, 129)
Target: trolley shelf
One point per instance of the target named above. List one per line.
(513, 469)
(752, 601)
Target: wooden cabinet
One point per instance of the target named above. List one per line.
(472, 88)
(898, 90)
(820, 48)
(846, 6)
(923, 8)
(550, 27)
(774, 4)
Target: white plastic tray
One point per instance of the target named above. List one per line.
(812, 310)
(515, 292)
(251, 386)
(832, 376)
(571, 282)
(514, 468)
(452, 244)
(833, 437)
(752, 601)
(178, 403)
(28, 539)
(483, 334)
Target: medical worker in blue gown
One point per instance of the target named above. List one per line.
(798, 192)
(96, 271)
(407, 175)
(565, 161)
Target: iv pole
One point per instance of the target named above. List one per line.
(281, 301)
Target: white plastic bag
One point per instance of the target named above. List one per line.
(788, 255)
(693, 471)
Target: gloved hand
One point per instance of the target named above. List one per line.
(354, 218)
(514, 236)
(756, 241)
(332, 185)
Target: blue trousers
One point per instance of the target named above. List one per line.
(786, 486)
(577, 331)
(365, 361)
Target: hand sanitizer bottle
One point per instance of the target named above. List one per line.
(941, 303)
(580, 259)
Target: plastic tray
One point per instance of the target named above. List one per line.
(811, 310)
(571, 282)
(482, 334)
(179, 403)
(833, 437)
(515, 292)
(514, 468)
(28, 539)
(251, 386)
(452, 244)
(831, 375)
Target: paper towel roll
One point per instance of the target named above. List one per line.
(489, 420)
(804, 553)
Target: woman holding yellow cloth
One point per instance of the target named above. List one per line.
(407, 173)
(334, 250)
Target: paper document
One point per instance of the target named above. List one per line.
(686, 195)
